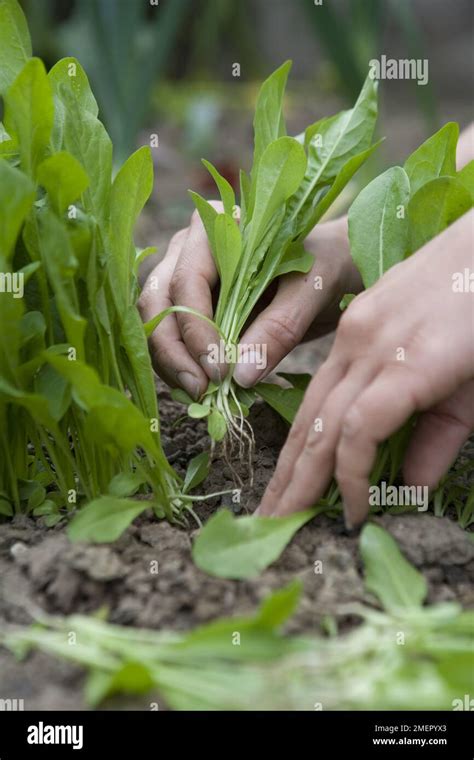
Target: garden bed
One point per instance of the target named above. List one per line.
(41, 567)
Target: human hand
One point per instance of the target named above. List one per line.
(405, 345)
(301, 308)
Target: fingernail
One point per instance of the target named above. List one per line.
(210, 368)
(245, 373)
(351, 526)
(190, 384)
(347, 520)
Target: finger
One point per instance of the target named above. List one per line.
(329, 374)
(170, 357)
(379, 411)
(314, 467)
(192, 282)
(284, 323)
(438, 436)
(276, 331)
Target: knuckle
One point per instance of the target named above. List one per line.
(189, 327)
(177, 282)
(357, 320)
(178, 238)
(147, 296)
(353, 422)
(283, 329)
(315, 444)
(298, 433)
(195, 218)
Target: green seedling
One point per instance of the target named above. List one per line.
(292, 183)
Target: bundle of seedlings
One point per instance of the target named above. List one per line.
(292, 183)
(78, 407)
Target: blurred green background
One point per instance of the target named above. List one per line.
(167, 68)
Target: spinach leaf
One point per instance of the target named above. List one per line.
(435, 206)
(105, 519)
(242, 547)
(378, 224)
(395, 582)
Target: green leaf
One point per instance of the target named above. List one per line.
(53, 387)
(225, 189)
(36, 498)
(378, 224)
(130, 191)
(6, 509)
(105, 519)
(29, 114)
(296, 259)
(228, 247)
(434, 158)
(216, 425)
(36, 405)
(268, 122)
(17, 194)
(208, 216)
(130, 678)
(15, 42)
(281, 605)
(323, 203)
(346, 300)
(198, 411)
(388, 575)
(230, 547)
(142, 254)
(133, 340)
(434, 207)
(466, 177)
(299, 380)
(68, 71)
(285, 401)
(333, 141)
(244, 194)
(64, 179)
(397, 444)
(58, 257)
(48, 507)
(113, 421)
(177, 394)
(125, 484)
(81, 133)
(280, 172)
(198, 470)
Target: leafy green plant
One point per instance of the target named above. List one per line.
(126, 54)
(241, 548)
(405, 207)
(367, 668)
(78, 408)
(292, 183)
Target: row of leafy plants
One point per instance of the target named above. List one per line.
(79, 421)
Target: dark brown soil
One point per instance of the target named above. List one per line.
(41, 567)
